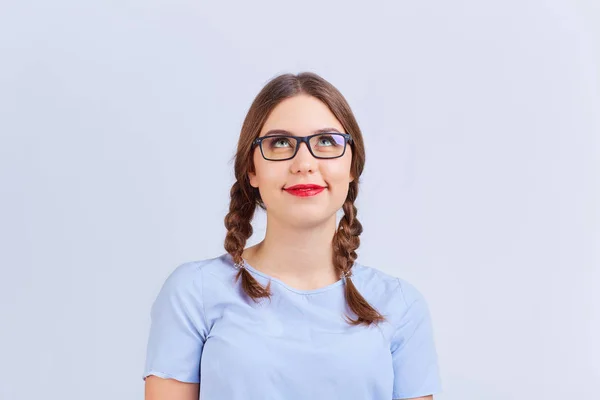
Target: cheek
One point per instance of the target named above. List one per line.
(337, 174)
(269, 175)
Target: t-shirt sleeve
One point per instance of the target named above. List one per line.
(414, 356)
(178, 327)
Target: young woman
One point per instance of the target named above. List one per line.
(295, 316)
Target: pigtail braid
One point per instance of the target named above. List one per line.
(345, 242)
(239, 229)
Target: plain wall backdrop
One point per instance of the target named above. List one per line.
(118, 121)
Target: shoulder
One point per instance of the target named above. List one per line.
(391, 295)
(188, 290)
(188, 278)
(183, 278)
(196, 271)
(374, 281)
(196, 278)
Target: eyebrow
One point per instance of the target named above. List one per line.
(284, 132)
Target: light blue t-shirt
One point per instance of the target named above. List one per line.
(297, 346)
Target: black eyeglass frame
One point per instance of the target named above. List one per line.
(299, 140)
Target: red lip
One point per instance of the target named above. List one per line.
(300, 187)
(304, 190)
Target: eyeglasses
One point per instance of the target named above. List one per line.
(321, 145)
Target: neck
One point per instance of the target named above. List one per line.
(299, 255)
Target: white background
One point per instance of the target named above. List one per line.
(119, 120)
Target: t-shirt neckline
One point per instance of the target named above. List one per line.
(285, 285)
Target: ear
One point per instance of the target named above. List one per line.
(252, 179)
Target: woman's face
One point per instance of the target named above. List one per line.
(301, 115)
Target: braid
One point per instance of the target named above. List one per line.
(239, 229)
(345, 241)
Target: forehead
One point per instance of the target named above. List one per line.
(301, 115)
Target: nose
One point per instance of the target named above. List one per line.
(303, 160)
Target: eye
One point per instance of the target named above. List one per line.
(275, 141)
(329, 140)
(325, 139)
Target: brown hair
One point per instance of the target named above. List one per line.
(245, 198)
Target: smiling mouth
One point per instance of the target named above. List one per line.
(305, 187)
(306, 192)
